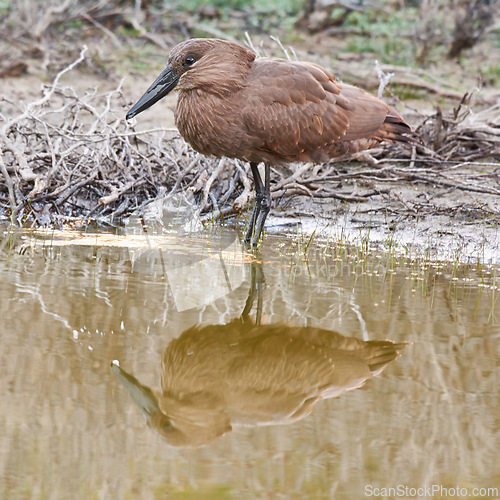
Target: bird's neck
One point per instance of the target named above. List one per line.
(202, 117)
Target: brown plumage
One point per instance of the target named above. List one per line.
(267, 110)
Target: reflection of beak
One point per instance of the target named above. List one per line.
(165, 83)
(142, 396)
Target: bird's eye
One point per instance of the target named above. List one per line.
(189, 61)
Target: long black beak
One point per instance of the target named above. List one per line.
(165, 83)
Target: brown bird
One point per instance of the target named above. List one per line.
(267, 110)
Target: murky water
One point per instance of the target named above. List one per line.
(269, 404)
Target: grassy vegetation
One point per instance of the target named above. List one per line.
(375, 265)
(389, 35)
(287, 7)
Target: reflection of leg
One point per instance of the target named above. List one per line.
(257, 282)
(264, 206)
(261, 283)
(251, 294)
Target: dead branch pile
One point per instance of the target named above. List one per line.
(68, 157)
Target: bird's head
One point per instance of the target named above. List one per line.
(215, 66)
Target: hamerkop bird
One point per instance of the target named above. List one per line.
(267, 110)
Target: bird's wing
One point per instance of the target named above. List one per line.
(294, 108)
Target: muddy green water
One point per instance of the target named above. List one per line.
(268, 406)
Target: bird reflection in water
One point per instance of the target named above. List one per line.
(244, 373)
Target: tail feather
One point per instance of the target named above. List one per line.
(395, 129)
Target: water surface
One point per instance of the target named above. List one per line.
(276, 421)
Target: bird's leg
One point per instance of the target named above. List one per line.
(259, 189)
(264, 205)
